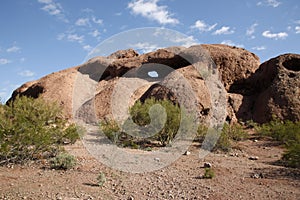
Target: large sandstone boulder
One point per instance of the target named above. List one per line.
(234, 64)
(97, 80)
(56, 87)
(277, 84)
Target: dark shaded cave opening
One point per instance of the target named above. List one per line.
(292, 64)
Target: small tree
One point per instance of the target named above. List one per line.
(140, 129)
(31, 128)
(140, 115)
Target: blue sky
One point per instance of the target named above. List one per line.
(38, 37)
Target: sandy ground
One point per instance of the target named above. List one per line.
(236, 177)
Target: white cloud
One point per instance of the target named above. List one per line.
(87, 48)
(259, 48)
(97, 21)
(202, 26)
(53, 8)
(13, 49)
(297, 29)
(144, 47)
(276, 36)
(272, 3)
(27, 73)
(151, 10)
(4, 61)
(223, 30)
(45, 1)
(87, 21)
(75, 38)
(95, 33)
(230, 43)
(184, 41)
(251, 30)
(82, 22)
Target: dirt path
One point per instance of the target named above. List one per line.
(237, 177)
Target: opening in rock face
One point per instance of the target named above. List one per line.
(34, 91)
(292, 64)
(175, 62)
(105, 75)
(153, 74)
(153, 71)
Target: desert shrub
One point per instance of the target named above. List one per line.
(251, 124)
(29, 128)
(224, 142)
(101, 179)
(209, 173)
(139, 126)
(140, 115)
(229, 133)
(288, 133)
(292, 155)
(111, 129)
(63, 161)
(235, 132)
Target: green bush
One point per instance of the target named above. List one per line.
(111, 129)
(30, 128)
(140, 115)
(139, 124)
(224, 142)
(63, 161)
(101, 179)
(288, 133)
(209, 173)
(235, 132)
(292, 155)
(229, 133)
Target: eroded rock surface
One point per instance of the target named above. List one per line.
(253, 91)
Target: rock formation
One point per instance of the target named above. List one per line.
(254, 91)
(277, 85)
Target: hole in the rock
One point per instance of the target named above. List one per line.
(153, 74)
(105, 75)
(292, 64)
(153, 71)
(292, 75)
(176, 62)
(34, 91)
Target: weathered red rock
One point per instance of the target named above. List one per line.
(254, 92)
(277, 83)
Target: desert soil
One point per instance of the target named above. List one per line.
(236, 177)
